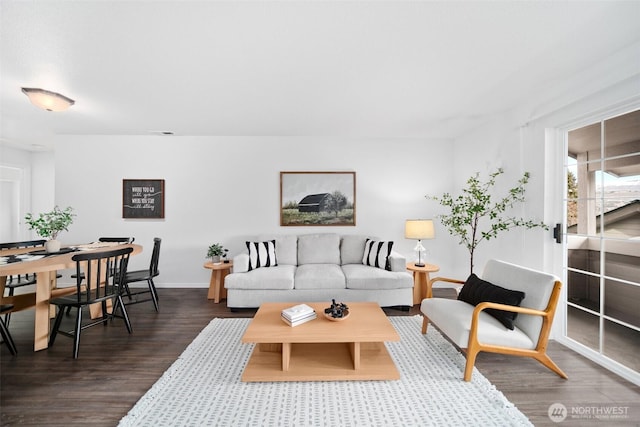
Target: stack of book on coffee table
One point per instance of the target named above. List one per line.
(298, 314)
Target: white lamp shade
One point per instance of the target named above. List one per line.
(419, 229)
(50, 101)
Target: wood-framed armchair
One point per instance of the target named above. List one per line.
(473, 329)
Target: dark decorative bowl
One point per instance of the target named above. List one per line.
(345, 314)
(337, 311)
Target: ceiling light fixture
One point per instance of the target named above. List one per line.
(50, 101)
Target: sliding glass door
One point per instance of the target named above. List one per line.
(603, 239)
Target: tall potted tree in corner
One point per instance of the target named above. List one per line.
(474, 216)
(50, 224)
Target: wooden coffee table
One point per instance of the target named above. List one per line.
(320, 350)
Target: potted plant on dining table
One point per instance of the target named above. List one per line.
(50, 224)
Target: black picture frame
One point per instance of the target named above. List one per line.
(143, 198)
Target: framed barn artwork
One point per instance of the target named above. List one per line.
(317, 198)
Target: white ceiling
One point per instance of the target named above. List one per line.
(342, 68)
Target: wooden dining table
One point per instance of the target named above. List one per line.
(45, 269)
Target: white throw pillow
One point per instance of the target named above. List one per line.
(262, 254)
(376, 254)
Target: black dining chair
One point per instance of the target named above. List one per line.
(144, 276)
(4, 331)
(19, 280)
(112, 240)
(107, 240)
(101, 286)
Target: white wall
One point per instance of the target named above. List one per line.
(501, 144)
(43, 175)
(224, 189)
(526, 139)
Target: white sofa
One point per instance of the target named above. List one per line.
(316, 268)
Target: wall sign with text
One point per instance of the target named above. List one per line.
(143, 198)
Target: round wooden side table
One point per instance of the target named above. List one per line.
(421, 281)
(218, 272)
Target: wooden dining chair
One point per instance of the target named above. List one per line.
(102, 285)
(144, 276)
(4, 330)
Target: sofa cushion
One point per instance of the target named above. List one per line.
(376, 254)
(286, 247)
(278, 277)
(352, 249)
(319, 276)
(262, 254)
(360, 276)
(476, 290)
(319, 249)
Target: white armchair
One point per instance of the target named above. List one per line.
(473, 329)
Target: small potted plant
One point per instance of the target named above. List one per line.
(49, 224)
(215, 251)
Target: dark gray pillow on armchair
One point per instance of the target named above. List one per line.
(476, 290)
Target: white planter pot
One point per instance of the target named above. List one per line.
(52, 246)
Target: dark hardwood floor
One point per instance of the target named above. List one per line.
(115, 369)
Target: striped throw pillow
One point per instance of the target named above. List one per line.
(262, 254)
(376, 254)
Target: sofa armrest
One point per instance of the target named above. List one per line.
(398, 261)
(241, 263)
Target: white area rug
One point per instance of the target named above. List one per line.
(203, 388)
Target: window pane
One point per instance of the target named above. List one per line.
(584, 140)
(622, 222)
(621, 134)
(583, 216)
(584, 290)
(622, 259)
(621, 302)
(620, 191)
(583, 327)
(622, 344)
(584, 253)
(621, 169)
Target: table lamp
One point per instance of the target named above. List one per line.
(419, 229)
